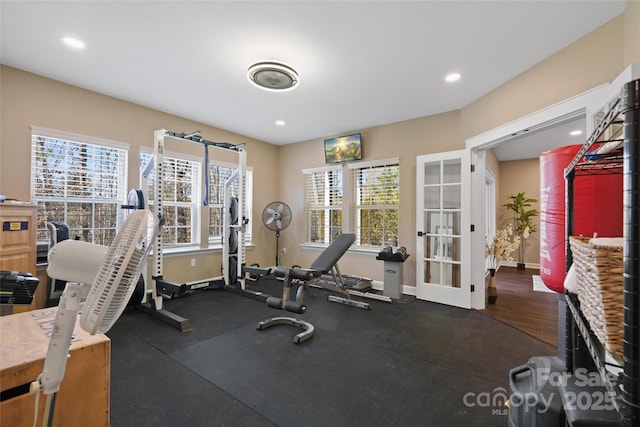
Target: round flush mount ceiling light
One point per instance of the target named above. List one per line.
(273, 75)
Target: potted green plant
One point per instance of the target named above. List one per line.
(523, 224)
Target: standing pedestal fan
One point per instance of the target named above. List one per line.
(276, 216)
(106, 276)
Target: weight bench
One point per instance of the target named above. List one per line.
(292, 276)
(327, 263)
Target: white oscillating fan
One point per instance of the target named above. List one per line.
(106, 276)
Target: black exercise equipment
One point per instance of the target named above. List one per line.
(327, 274)
(135, 200)
(292, 277)
(387, 254)
(58, 231)
(327, 263)
(254, 272)
(17, 288)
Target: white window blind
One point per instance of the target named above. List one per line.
(323, 191)
(80, 181)
(180, 199)
(218, 175)
(375, 201)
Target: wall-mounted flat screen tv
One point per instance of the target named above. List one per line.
(343, 149)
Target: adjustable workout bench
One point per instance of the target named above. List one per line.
(327, 263)
(292, 276)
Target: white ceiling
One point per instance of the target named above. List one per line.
(530, 144)
(361, 63)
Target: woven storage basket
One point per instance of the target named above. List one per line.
(599, 273)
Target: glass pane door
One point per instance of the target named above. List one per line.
(440, 216)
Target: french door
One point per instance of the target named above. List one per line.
(443, 236)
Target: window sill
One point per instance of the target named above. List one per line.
(191, 250)
(375, 250)
(169, 252)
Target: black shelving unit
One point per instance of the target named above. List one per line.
(583, 349)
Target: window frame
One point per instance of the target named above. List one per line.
(356, 206)
(215, 241)
(193, 205)
(120, 150)
(311, 208)
(348, 206)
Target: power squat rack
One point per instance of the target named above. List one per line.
(234, 222)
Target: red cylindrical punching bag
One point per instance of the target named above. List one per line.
(597, 205)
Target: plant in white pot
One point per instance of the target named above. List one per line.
(523, 224)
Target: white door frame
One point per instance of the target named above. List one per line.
(587, 103)
(490, 208)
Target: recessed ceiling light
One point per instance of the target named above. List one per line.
(280, 122)
(73, 42)
(273, 75)
(453, 77)
(575, 132)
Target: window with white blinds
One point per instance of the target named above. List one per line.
(323, 198)
(375, 201)
(78, 180)
(218, 175)
(181, 198)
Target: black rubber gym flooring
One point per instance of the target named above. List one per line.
(416, 364)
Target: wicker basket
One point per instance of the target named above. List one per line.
(599, 273)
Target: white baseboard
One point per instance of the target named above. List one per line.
(406, 289)
(409, 290)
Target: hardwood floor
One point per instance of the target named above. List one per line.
(518, 305)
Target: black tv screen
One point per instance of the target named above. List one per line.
(343, 149)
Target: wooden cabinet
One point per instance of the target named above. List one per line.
(18, 245)
(83, 399)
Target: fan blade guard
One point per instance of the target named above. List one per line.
(119, 273)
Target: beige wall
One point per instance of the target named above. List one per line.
(517, 176)
(632, 33)
(30, 100)
(493, 164)
(592, 60)
(404, 140)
